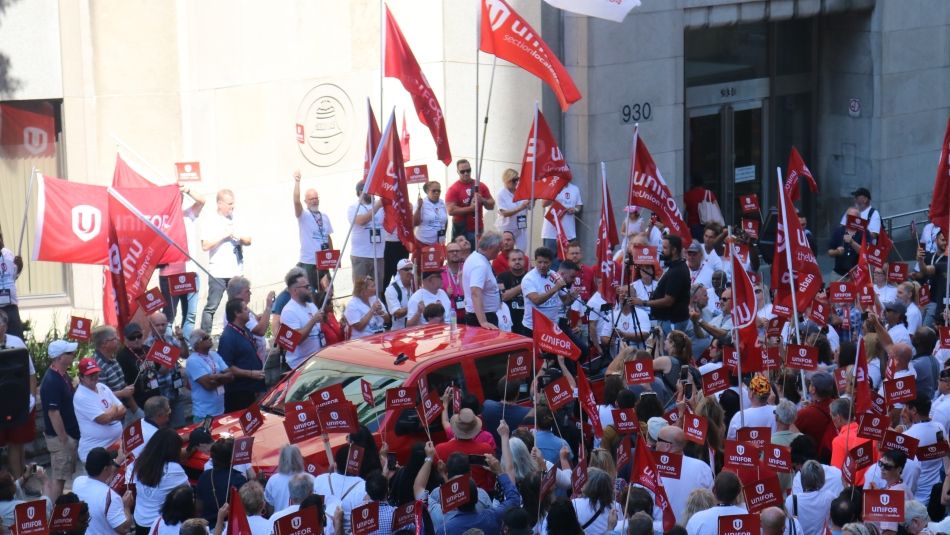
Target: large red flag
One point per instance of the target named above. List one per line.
(649, 190)
(606, 240)
(126, 177)
(27, 130)
(72, 222)
(155, 202)
(505, 34)
(373, 136)
(744, 305)
(807, 275)
(940, 200)
(387, 180)
(797, 169)
(862, 388)
(552, 172)
(549, 338)
(553, 216)
(401, 63)
(644, 473)
(237, 516)
(585, 394)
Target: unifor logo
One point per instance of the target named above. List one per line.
(166, 349)
(30, 512)
(859, 451)
(623, 416)
(695, 422)
(401, 393)
(243, 446)
(875, 422)
(86, 221)
(885, 499)
(365, 514)
(802, 352)
(754, 434)
(325, 396)
(287, 334)
(428, 404)
(248, 417)
(520, 360)
(334, 415)
(66, 511)
(900, 385)
(181, 279)
(760, 488)
(302, 417)
(455, 487)
(776, 452)
(740, 449)
(557, 389)
(737, 523)
(328, 255)
(132, 431)
(79, 324)
(664, 459)
(843, 288)
(295, 523)
(149, 297)
(311, 468)
(498, 13)
(35, 140)
(899, 439)
(646, 251)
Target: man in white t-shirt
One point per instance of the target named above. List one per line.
(366, 242)
(224, 240)
(398, 293)
(482, 297)
(694, 474)
(108, 512)
(862, 201)
(314, 229)
(570, 198)
(431, 292)
(916, 413)
(760, 414)
(541, 289)
(98, 411)
(727, 491)
(301, 315)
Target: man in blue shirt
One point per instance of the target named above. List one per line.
(546, 441)
(207, 373)
(239, 352)
(61, 429)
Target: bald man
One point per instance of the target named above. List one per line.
(314, 228)
(775, 522)
(693, 474)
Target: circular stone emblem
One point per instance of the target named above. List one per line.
(326, 114)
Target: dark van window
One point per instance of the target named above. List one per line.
(491, 369)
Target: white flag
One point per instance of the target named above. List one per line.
(615, 10)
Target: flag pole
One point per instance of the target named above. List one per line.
(633, 166)
(128, 148)
(480, 156)
(372, 219)
(26, 211)
(478, 163)
(534, 174)
(382, 54)
(791, 271)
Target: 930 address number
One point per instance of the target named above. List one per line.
(636, 112)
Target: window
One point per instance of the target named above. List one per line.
(492, 369)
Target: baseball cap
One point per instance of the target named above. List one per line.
(404, 263)
(132, 328)
(654, 425)
(861, 191)
(897, 306)
(58, 347)
(694, 247)
(632, 209)
(97, 460)
(88, 366)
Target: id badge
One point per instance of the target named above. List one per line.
(153, 384)
(5, 297)
(324, 246)
(374, 236)
(219, 391)
(460, 302)
(522, 221)
(323, 339)
(177, 381)
(440, 233)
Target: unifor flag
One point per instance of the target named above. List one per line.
(939, 213)
(372, 139)
(649, 190)
(27, 130)
(549, 338)
(615, 10)
(237, 516)
(72, 222)
(862, 389)
(554, 215)
(644, 473)
(508, 36)
(606, 240)
(585, 394)
(804, 270)
(744, 304)
(796, 170)
(387, 180)
(543, 162)
(401, 63)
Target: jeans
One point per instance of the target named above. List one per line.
(668, 326)
(215, 292)
(188, 304)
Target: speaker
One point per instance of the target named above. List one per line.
(15, 387)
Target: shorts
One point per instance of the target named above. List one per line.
(63, 459)
(19, 434)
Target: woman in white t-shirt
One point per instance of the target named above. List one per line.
(644, 286)
(365, 312)
(290, 463)
(179, 506)
(430, 216)
(596, 502)
(156, 474)
(512, 215)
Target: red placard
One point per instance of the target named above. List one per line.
(417, 174)
(672, 416)
(300, 421)
(338, 418)
(182, 284)
(405, 515)
(327, 259)
(857, 459)
(431, 258)
(188, 171)
(841, 293)
(151, 301)
(841, 379)
(423, 386)
(749, 524)
(875, 255)
(163, 354)
(301, 138)
(905, 444)
(730, 358)
(644, 255)
(775, 326)
(757, 436)
(866, 296)
(740, 455)
(669, 464)
(623, 452)
(715, 381)
(900, 389)
(625, 421)
(365, 519)
(749, 203)
(896, 273)
(771, 357)
(310, 463)
(781, 310)
(638, 372)
(65, 517)
(931, 452)
(558, 393)
(456, 400)
(548, 480)
(518, 367)
(818, 313)
(873, 426)
(945, 337)
(251, 420)
(801, 357)
(354, 460)
(330, 395)
(855, 223)
(367, 390)
(778, 458)
(287, 337)
(579, 477)
(762, 494)
(403, 397)
(431, 408)
(30, 518)
(878, 405)
(695, 426)
(883, 506)
(923, 298)
(241, 453)
(304, 522)
(132, 436)
(117, 483)
(80, 329)
(751, 228)
(455, 493)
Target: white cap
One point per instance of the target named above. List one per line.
(58, 347)
(404, 263)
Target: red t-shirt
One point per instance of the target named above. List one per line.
(468, 447)
(460, 195)
(500, 264)
(585, 282)
(331, 329)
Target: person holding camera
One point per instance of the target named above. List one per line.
(670, 301)
(224, 240)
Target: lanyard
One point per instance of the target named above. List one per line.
(65, 378)
(453, 280)
(439, 213)
(318, 219)
(245, 336)
(210, 362)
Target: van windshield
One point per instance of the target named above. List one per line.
(321, 373)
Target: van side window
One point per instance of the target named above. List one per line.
(438, 380)
(493, 368)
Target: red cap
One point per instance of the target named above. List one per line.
(88, 366)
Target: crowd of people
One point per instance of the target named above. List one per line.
(529, 469)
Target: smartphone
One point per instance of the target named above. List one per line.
(683, 373)
(477, 459)
(523, 389)
(391, 461)
(649, 393)
(688, 390)
(207, 423)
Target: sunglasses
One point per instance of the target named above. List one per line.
(465, 171)
(137, 336)
(885, 466)
(205, 338)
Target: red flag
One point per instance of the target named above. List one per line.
(804, 269)
(505, 34)
(552, 172)
(939, 213)
(401, 63)
(109, 307)
(554, 215)
(372, 139)
(606, 240)
(71, 222)
(404, 140)
(649, 190)
(588, 402)
(862, 388)
(387, 180)
(744, 305)
(796, 169)
(644, 473)
(549, 338)
(160, 204)
(237, 516)
(27, 130)
(126, 177)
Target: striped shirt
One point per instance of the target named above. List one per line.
(111, 374)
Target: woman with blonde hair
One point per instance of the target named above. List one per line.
(512, 215)
(699, 499)
(364, 312)
(715, 432)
